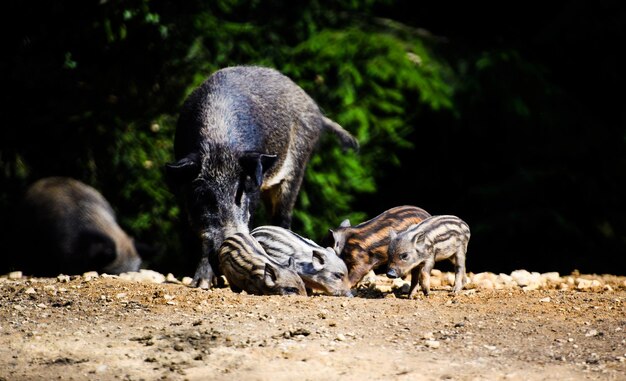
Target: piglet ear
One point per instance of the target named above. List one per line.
(291, 264)
(270, 275)
(336, 240)
(418, 237)
(255, 164)
(319, 259)
(392, 234)
(184, 170)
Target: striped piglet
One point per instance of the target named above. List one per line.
(419, 247)
(247, 267)
(320, 268)
(363, 247)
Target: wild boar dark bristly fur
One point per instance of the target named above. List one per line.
(68, 227)
(363, 247)
(245, 134)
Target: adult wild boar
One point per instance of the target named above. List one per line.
(66, 226)
(245, 134)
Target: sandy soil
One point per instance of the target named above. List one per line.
(120, 328)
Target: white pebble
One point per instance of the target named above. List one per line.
(398, 283)
(143, 275)
(432, 344)
(591, 332)
(506, 279)
(552, 277)
(90, 275)
(369, 278)
(523, 278)
(583, 284)
(15, 275)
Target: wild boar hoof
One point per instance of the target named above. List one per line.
(203, 284)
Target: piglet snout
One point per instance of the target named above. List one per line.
(392, 273)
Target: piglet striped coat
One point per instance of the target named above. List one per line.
(247, 267)
(364, 246)
(320, 268)
(420, 246)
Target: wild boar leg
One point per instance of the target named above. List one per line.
(204, 277)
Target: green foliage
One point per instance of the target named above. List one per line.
(372, 82)
(140, 154)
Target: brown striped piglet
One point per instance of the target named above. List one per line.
(418, 248)
(363, 247)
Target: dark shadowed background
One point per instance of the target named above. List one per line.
(510, 116)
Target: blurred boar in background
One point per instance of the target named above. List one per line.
(245, 134)
(67, 227)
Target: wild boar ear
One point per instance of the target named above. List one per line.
(270, 275)
(319, 259)
(345, 223)
(267, 161)
(255, 164)
(184, 170)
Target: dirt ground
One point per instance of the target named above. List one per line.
(149, 327)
